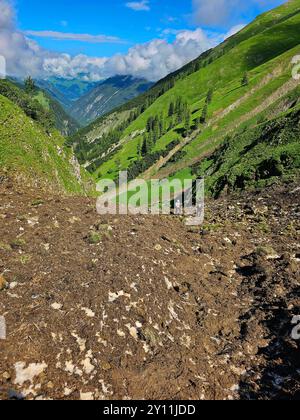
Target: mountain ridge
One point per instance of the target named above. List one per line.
(107, 95)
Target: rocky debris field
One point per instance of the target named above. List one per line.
(144, 307)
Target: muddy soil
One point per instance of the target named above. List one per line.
(142, 307)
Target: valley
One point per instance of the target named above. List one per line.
(144, 306)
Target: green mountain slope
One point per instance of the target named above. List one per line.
(180, 124)
(40, 106)
(66, 124)
(68, 90)
(36, 155)
(255, 156)
(108, 95)
(56, 94)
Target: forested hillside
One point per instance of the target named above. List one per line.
(39, 105)
(241, 86)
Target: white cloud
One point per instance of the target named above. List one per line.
(96, 39)
(22, 56)
(152, 60)
(139, 6)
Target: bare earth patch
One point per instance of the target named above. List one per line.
(152, 310)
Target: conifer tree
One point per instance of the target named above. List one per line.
(144, 150)
(245, 80)
(187, 121)
(204, 114)
(209, 96)
(171, 109)
(30, 86)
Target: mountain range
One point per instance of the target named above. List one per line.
(106, 96)
(86, 101)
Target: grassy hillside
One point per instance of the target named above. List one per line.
(66, 124)
(227, 90)
(40, 106)
(35, 155)
(256, 156)
(56, 94)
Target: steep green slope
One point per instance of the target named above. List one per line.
(108, 95)
(227, 90)
(35, 155)
(66, 124)
(56, 94)
(40, 106)
(255, 157)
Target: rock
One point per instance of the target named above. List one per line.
(86, 396)
(106, 366)
(56, 306)
(6, 376)
(27, 374)
(266, 252)
(3, 283)
(151, 336)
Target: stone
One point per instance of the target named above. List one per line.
(106, 366)
(266, 252)
(6, 376)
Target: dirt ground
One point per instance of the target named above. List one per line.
(144, 307)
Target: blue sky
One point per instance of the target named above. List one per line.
(96, 39)
(114, 18)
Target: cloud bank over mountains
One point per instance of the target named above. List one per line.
(152, 60)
